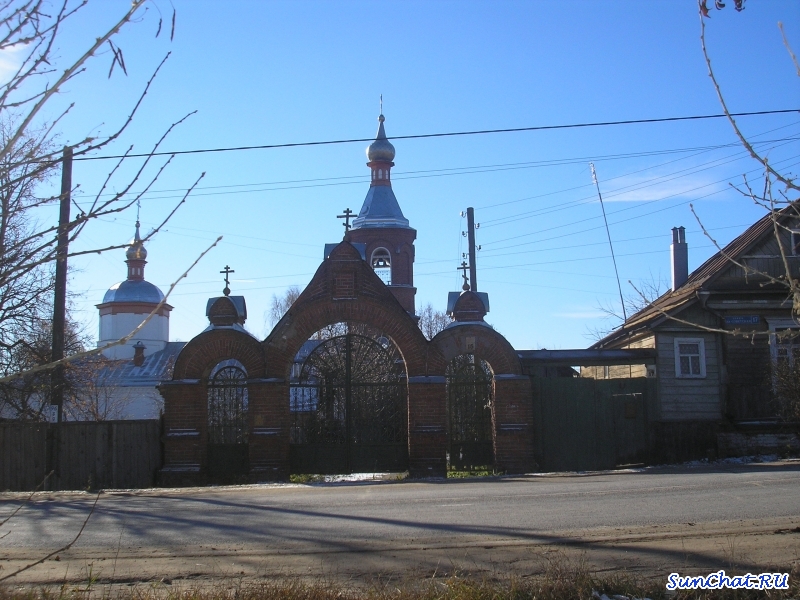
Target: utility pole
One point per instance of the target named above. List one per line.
(60, 295)
(473, 279)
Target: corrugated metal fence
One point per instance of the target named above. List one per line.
(83, 455)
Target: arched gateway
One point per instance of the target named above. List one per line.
(370, 394)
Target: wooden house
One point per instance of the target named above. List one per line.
(718, 333)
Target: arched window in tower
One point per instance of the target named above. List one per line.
(382, 264)
(380, 173)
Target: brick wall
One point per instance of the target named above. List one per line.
(269, 433)
(513, 424)
(427, 426)
(206, 350)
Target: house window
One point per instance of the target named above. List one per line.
(690, 358)
(796, 243)
(784, 339)
(382, 264)
(786, 345)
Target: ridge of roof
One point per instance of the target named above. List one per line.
(671, 300)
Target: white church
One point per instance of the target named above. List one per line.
(147, 358)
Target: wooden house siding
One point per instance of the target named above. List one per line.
(688, 398)
(621, 371)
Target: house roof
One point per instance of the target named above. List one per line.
(156, 368)
(675, 300)
(586, 358)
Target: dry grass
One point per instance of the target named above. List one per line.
(563, 579)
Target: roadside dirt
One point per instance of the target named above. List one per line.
(653, 551)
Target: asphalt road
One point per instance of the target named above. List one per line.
(653, 520)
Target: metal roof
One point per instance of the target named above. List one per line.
(381, 149)
(588, 358)
(452, 298)
(699, 279)
(157, 367)
(133, 290)
(380, 209)
(238, 303)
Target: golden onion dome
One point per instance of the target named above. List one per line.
(136, 251)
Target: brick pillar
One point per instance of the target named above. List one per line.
(269, 429)
(513, 424)
(185, 424)
(427, 427)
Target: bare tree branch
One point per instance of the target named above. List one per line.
(119, 342)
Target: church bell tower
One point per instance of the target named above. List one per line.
(380, 225)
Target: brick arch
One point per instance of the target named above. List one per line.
(370, 302)
(206, 350)
(489, 346)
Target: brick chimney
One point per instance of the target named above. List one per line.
(138, 354)
(679, 251)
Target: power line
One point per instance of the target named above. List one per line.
(633, 208)
(418, 174)
(448, 134)
(627, 189)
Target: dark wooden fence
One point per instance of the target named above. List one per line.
(590, 424)
(83, 455)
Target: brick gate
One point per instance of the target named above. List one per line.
(343, 290)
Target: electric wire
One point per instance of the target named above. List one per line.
(637, 206)
(629, 188)
(447, 134)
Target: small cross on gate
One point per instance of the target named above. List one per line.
(463, 268)
(346, 216)
(227, 271)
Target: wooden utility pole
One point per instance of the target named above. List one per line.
(60, 294)
(473, 278)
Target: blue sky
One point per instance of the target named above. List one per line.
(280, 72)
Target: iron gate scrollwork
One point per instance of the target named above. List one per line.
(348, 407)
(227, 421)
(469, 407)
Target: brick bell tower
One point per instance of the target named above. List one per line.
(383, 228)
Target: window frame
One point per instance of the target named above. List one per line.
(702, 352)
(380, 251)
(776, 327)
(794, 240)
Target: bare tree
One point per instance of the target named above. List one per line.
(26, 398)
(280, 306)
(92, 395)
(29, 156)
(432, 321)
(646, 292)
(778, 195)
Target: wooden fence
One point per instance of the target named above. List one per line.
(83, 455)
(588, 424)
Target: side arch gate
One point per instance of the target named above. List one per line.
(227, 421)
(470, 396)
(348, 408)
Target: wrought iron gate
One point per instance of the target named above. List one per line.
(228, 455)
(469, 407)
(348, 408)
